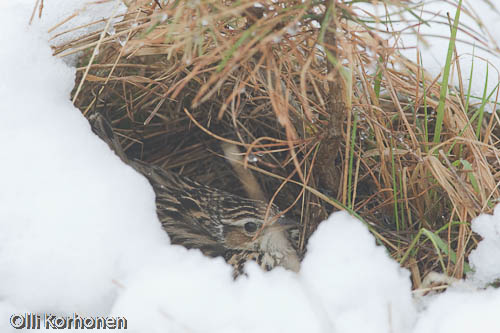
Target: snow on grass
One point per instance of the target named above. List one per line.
(435, 33)
(79, 233)
(485, 259)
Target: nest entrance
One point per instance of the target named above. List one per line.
(171, 139)
(326, 114)
(170, 132)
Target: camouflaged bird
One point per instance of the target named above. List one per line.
(216, 222)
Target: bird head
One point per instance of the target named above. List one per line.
(249, 230)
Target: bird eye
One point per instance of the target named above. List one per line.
(250, 227)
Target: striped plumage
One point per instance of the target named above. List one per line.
(214, 221)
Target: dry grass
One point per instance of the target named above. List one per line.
(323, 109)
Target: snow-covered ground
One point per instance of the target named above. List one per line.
(79, 232)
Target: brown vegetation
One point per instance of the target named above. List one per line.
(325, 112)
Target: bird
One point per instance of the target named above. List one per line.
(216, 222)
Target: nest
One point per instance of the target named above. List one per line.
(324, 113)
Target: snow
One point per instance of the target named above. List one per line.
(436, 36)
(480, 41)
(79, 232)
(319, 299)
(364, 281)
(485, 259)
(461, 311)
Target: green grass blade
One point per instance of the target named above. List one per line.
(481, 109)
(351, 160)
(446, 76)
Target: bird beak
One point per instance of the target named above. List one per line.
(286, 222)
